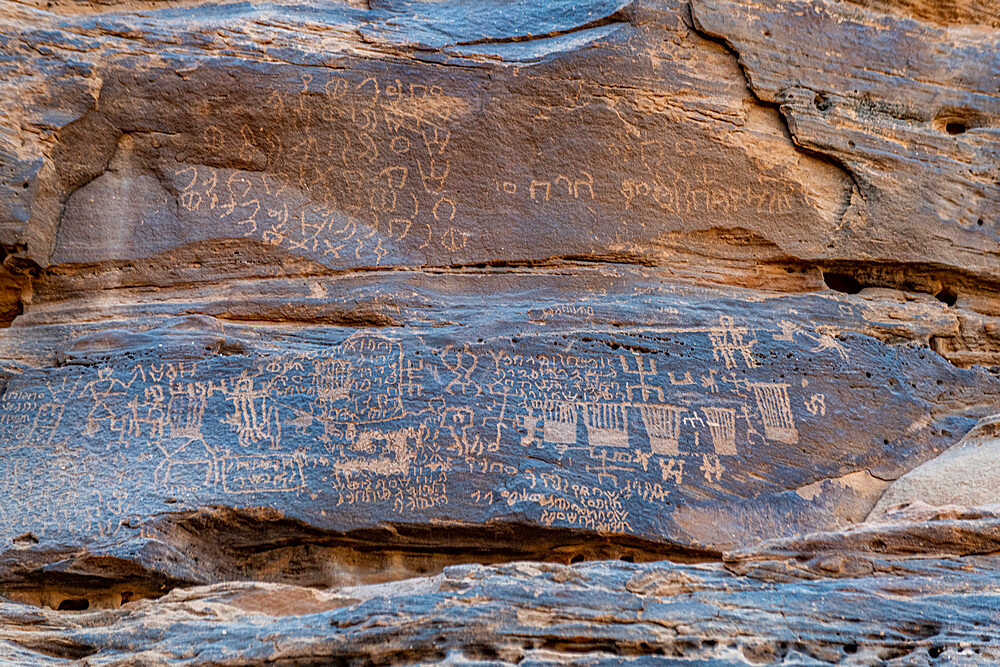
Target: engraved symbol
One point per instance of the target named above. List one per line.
(213, 137)
(538, 185)
(686, 379)
(711, 467)
(722, 427)
(560, 422)
(672, 469)
(643, 372)
(389, 453)
(455, 360)
(727, 339)
(413, 372)
(607, 424)
(823, 338)
(186, 410)
(46, 423)
(253, 414)
(708, 381)
(816, 404)
(101, 390)
(433, 178)
(262, 473)
(775, 411)
(333, 381)
(587, 182)
(454, 239)
(663, 425)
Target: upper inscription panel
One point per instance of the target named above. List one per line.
(384, 165)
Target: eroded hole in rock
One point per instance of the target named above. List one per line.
(824, 102)
(64, 648)
(841, 282)
(82, 593)
(947, 296)
(955, 127)
(74, 604)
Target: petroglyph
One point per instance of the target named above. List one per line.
(775, 411)
(371, 164)
(728, 339)
(261, 473)
(824, 337)
(663, 424)
(397, 424)
(46, 423)
(698, 191)
(560, 422)
(539, 190)
(722, 426)
(255, 415)
(607, 424)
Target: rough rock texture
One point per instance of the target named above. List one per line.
(316, 297)
(965, 474)
(817, 600)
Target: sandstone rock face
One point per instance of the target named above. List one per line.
(345, 330)
(963, 475)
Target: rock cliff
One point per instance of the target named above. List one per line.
(392, 331)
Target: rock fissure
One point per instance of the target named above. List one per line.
(184, 549)
(618, 17)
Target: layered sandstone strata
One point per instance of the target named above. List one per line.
(323, 296)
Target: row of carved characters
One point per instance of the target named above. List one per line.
(367, 169)
(367, 216)
(366, 379)
(357, 407)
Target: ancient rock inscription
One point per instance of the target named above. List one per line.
(376, 425)
(369, 169)
(361, 168)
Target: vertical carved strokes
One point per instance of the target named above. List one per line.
(560, 422)
(775, 411)
(722, 428)
(46, 423)
(728, 339)
(535, 188)
(663, 426)
(607, 424)
(253, 416)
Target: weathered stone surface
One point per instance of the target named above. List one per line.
(922, 150)
(962, 475)
(338, 294)
(916, 612)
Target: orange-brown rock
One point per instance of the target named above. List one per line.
(354, 304)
